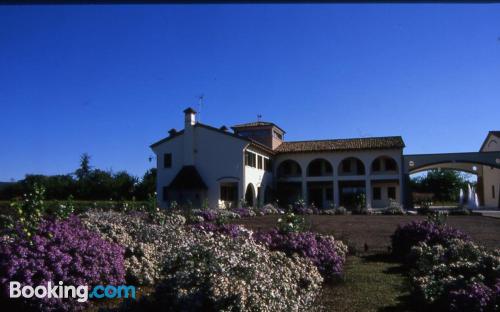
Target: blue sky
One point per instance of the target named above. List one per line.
(111, 80)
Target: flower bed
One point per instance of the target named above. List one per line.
(60, 250)
(220, 273)
(205, 266)
(326, 253)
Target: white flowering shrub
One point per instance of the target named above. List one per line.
(220, 273)
(147, 243)
(445, 274)
(201, 270)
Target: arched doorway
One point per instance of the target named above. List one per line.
(250, 195)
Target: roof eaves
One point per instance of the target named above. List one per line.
(166, 139)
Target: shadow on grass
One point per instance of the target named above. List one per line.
(406, 302)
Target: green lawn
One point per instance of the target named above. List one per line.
(370, 283)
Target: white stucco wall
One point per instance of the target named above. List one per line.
(258, 178)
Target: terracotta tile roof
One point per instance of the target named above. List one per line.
(341, 145)
(256, 124)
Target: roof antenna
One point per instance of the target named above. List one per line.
(259, 117)
(200, 103)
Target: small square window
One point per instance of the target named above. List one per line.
(167, 160)
(377, 194)
(259, 162)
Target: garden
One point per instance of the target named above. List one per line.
(249, 259)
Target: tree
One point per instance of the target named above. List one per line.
(84, 170)
(445, 184)
(147, 185)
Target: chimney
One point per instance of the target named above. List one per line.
(189, 117)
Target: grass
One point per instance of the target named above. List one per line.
(370, 283)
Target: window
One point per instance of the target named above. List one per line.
(229, 192)
(250, 159)
(167, 160)
(376, 165)
(267, 164)
(377, 193)
(391, 192)
(259, 162)
(277, 135)
(492, 191)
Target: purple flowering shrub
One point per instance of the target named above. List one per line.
(208, 215)
(327, 254)
(243, 212)
(59, 250)
(411, 234)
(474, 297)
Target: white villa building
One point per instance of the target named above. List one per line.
(201, 164)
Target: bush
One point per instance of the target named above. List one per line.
(232, 230)
(59, 250)
(394, 208)
(411, 234)
(244, 212)
(224, 274)
(460, 275)
(291, 222)
(147, 242)
(327, 254)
